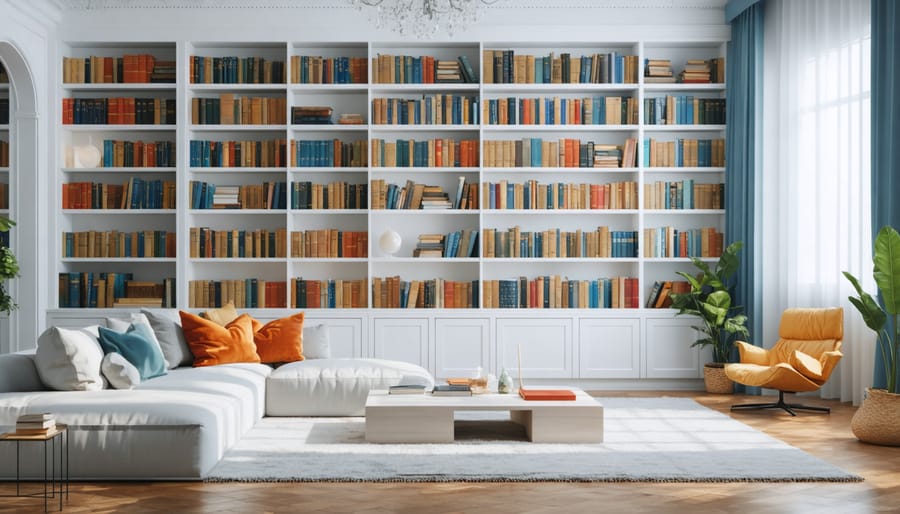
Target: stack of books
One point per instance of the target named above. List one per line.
(452, 390)
(35, 424)
(658, 71)
(448, 71)
(406, 389)
(429, 245)
(350, 119)
(311, 115)
(696, 71)
(163, 72)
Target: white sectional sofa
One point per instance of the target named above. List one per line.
(177, 426)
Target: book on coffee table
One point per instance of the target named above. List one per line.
(406, 389)
(452, 390)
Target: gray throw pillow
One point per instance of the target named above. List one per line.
(120, 373)
(316, 342)
(166, 325)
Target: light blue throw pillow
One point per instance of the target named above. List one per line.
(136, 345)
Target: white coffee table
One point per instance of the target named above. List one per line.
(406, 418)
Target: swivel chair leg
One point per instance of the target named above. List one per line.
(780, 404)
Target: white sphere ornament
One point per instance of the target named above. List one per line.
(390, 242)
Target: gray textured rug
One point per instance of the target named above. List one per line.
(645, 440)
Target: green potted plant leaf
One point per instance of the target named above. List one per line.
(878, 418)
(9, 268)
(710, 301)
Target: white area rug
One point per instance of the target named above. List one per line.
(645, 439)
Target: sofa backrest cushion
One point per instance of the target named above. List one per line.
(279, 340)
(69, 359)
(166, 325)
(137, 346)
(214, 344)
(316, 342)
(18, 373)
(120, 373)
(120, 325)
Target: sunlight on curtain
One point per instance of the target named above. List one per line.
(815, 199)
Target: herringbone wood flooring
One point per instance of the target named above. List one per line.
(826, 436)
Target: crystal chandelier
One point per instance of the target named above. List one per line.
(423, 18)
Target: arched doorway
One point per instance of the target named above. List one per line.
(23, 179)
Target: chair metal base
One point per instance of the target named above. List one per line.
(780, 404)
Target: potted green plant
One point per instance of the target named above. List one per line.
(9, 268)
(878, 418)
(710, 301)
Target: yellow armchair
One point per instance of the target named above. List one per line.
(802, 360)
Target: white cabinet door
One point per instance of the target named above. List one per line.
(461, 346)
(403, 339)
(669, 351)
(609, 348)
(345, 335)
(546, 346)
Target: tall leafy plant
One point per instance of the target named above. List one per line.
(710, 300)
(887, 276)
(9, 268)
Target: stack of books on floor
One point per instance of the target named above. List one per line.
(406, 389)
(311, 115)
(35, 424)
(452, 390)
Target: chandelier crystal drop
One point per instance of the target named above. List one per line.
(422, 18)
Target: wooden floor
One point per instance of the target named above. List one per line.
(826, 436)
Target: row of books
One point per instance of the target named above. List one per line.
(268, 195)
(118, 111)
(672, 242)
(118, 153)
(35, 424)
(437, 293)
(556, 292)
(329, 243)
(684, 110)
(235, 70)
(128, 69)
(446, 109)
(4, 154)
(230, 109)
(328, 294)
(4, 196)
(249, 293)
(315, 69)
(329, 153)
(506, 67)
(4, 111)
(426, 69)
(135, 193)
(238, 154)
(695, 71)
(113, 243)
(596, 110)
(531, 194)
(660, 295)
(556, 243)
(206, 242)
(4, 76)
(684, 194)
(422, 196)
(102, 289)
(564, 153)
(701, 153)
(443, 152)
(459, 243)
(306, 195)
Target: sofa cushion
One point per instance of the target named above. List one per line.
(213, 344)
(316, 342)
(222, 315)
(120, 373)
(138, 346)
(69, 359)
(120, 325)
(279, 340)
(18, 373)
(166, 326)
(335, 387)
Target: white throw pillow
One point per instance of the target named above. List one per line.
(120, 325)
(316, 343)
(69, 359)
(120, 373)
(166, 324)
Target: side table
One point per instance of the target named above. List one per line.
(57, 452)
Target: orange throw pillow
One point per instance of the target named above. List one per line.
(214, 344)
(280, 340)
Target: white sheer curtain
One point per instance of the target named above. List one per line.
(815, 196)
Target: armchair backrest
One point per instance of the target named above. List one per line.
(811, 331)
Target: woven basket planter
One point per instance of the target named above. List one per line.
(715, 379)
(877, 420)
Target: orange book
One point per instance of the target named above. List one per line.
(546, 394)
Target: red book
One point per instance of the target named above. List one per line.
(546, 394)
